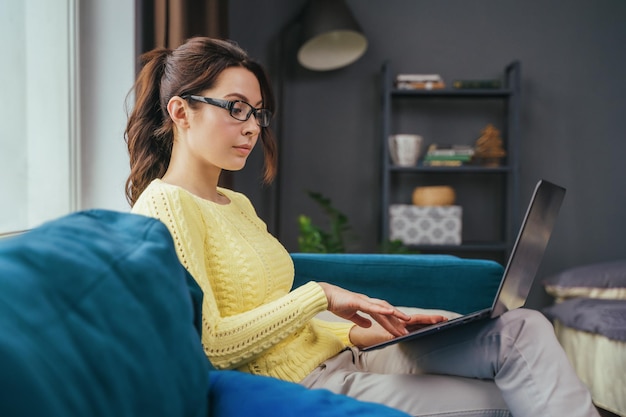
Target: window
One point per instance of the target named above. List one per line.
(39, 150)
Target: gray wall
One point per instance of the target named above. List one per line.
(573, 109)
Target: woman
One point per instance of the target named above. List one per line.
(200, 109)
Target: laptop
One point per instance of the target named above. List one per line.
(521, 267)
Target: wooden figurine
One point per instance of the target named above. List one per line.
(489, 151)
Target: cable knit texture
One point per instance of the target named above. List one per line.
(251, 320)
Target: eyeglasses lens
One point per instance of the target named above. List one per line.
(242, 111)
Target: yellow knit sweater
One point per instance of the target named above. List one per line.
(251, 320)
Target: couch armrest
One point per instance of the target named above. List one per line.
(427, 281)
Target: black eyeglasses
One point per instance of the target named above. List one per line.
(238, 109)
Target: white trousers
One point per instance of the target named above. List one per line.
(512, 365)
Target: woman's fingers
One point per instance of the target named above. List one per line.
(400, 327)
(419, 321)
(347, 304)
(389, 317)
(426, 319)
(362, 337)
(392, 324)
(361, 321)
(383, 307)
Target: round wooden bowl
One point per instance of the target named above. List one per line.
(437, 195)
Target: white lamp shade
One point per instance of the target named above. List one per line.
(332, 50)
(332, 37)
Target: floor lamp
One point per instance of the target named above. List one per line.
(328, 38)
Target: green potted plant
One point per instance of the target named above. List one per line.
(314, 239)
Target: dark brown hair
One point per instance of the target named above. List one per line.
(189, 69)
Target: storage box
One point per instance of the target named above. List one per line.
(427, 225)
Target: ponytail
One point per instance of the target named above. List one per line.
(148, 134)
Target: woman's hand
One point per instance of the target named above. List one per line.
(363, 337)
(347, 304)
(418, 321)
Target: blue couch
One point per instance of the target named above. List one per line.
(442, 282)
(98, 318)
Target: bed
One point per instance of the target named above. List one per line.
(589, 316)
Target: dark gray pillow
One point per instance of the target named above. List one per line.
(601, 280)
(604, 317)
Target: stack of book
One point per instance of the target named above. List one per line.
(419, 82)
(448, 155)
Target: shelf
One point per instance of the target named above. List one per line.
(473, 93)
(489, 195)
(461, 169)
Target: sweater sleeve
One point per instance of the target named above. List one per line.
(339, 329)
(236, 340)
(232, 341)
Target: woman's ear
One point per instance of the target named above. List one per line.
(178, 110)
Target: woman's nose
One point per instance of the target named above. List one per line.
(251, 127)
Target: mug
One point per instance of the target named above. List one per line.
(405, 149)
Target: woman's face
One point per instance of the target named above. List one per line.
(214, 138)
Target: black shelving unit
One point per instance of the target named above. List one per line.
(489, 195)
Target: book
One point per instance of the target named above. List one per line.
(419, 82)
(435, 149)
(420, 85)
(462, 158)
(442, 163)
(437, 146)
(451, 152)
(477, 84)
(448, 155)
(418, 78)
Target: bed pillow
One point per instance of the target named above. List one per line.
(604, 317)
(601, 280)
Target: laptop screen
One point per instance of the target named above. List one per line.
(529, 247)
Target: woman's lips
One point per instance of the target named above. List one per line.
(243, 149)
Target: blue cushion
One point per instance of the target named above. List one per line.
(96, 319)
(426, 281)
(235, 394)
